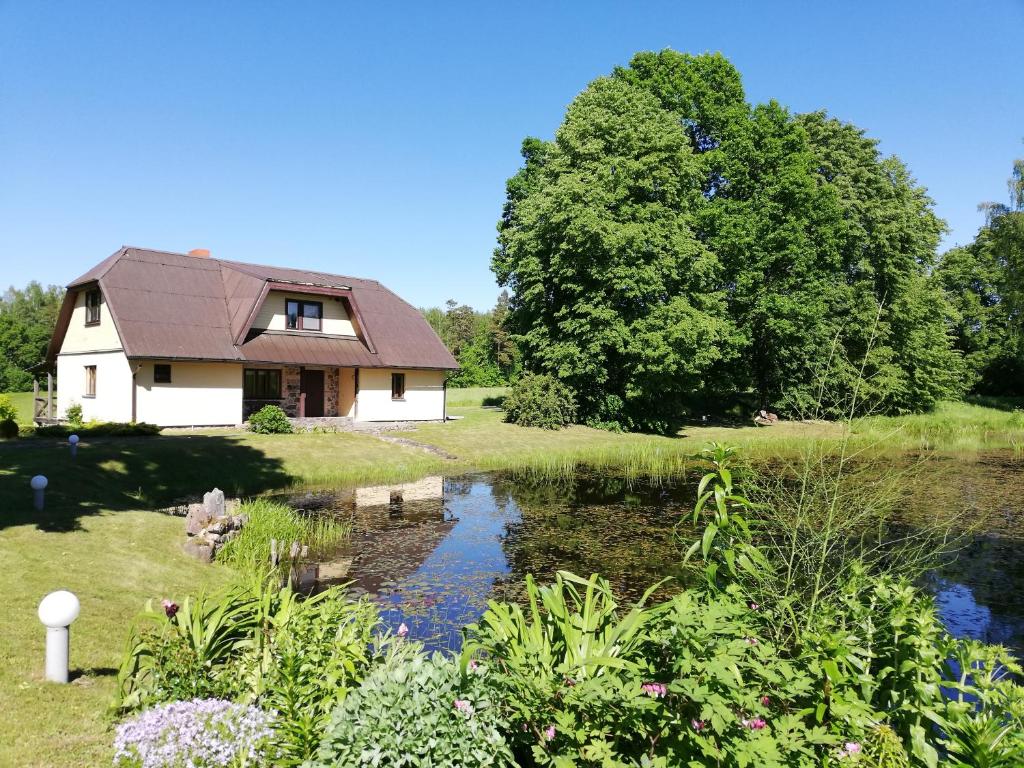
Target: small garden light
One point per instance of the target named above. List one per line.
(57, 610)
(38, 483)
(73, 442)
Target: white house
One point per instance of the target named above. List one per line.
(187, 340)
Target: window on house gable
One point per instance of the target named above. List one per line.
(90, 381)
(303, 315)
(397, 386)
(162, 373)
(92, 307)
(261, 384)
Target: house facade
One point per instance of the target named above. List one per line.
(188, 340)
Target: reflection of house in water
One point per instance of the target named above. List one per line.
(395, 528)
(423, 496)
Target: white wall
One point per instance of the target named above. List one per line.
(90, 338)
(200, 394)
(113, 400)
(272, 315)
(424, 395)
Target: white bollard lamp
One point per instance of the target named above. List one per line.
(57, 610)
(38, 483)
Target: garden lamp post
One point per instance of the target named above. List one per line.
(73, 442)
(57, 610)
(38, 483)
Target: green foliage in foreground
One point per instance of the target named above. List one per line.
(421, 712)
(268, 520)
(537, 400)
(255, 644)
(270, 420)
(675, 243)
(857, 671)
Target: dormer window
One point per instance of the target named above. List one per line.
(303, 315)
(92, 307)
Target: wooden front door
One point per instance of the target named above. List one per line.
(312, 386)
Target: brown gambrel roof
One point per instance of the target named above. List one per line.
(178, 307)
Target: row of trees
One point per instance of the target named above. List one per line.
(27, 320)
(675, 245)
(480, 341)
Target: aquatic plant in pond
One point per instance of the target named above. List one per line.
(201, 733)
(269, 520)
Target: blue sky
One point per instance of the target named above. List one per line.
(375, 139)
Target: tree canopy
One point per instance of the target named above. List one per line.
(675, 246)
(985, 285)
(27, 319)
(479, 342)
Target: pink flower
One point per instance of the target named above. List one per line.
(766, 701)
(751, 640)
(755, 607)
(473, 666)
(657, 690)
(170, 608)
(402, 630)
(698, 725)
(464, 706)
(756, 724)
(549, 732)
(850, 748)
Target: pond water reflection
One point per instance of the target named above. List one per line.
(433, 552)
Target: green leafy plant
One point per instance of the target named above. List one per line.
(270, 420)
(417, 711)
(563, 665)
(725, 544)
(306, 656)
(7, 410)
(8, 429)
(74, 414)
(540, 401)
(179, 652)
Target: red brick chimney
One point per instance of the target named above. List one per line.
(200, 253)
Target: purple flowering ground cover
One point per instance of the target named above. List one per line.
(202, 733)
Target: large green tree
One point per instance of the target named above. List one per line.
(27, 320)
(675, 244)
(612, 290)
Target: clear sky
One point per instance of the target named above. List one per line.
(375, 139)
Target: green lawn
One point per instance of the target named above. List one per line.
(23, 402)
(97, 539)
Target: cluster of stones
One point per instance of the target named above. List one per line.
(210, 525)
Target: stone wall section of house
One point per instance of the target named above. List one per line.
(331, 392)
(291, 386)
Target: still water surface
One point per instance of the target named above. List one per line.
(432, 553)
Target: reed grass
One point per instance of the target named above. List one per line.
(270, 520)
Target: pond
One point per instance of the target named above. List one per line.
(431, 553)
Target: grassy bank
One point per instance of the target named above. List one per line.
(23, 402)
(93, 539)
